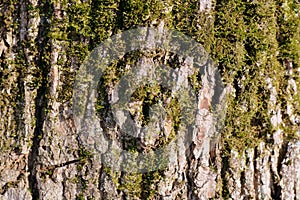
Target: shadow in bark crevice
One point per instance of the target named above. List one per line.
(42, 62)
(276, 188)
(225, 157)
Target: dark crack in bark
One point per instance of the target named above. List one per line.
(41, 101)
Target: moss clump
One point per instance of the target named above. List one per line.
(150, 184)
(141, 13)
(289, 55)
(150, 95)
(136, 185)
(84, 154)
(248, 52)
(80, 196)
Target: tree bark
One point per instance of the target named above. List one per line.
(254, 46)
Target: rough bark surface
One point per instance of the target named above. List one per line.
(43, 43)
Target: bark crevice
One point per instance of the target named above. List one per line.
(41, 100)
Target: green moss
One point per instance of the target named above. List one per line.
(80, 196)
(136, 185)
(141, 13)
(289, 55)
(84, 154)
(246, 35)
(131, 185)
(150, 184)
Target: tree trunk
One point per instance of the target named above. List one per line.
(251, 152)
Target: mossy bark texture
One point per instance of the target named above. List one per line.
(255, 45)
